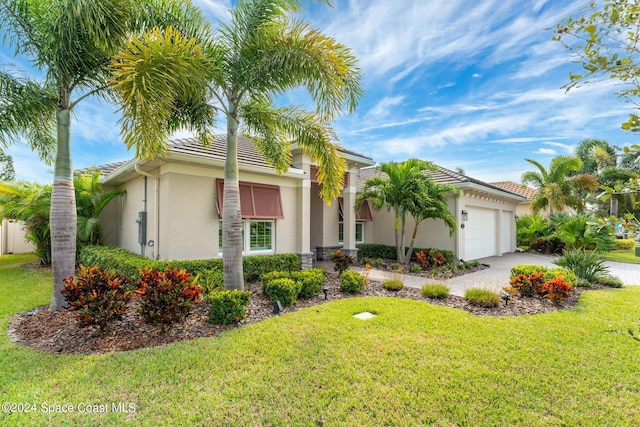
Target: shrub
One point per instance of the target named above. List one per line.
(370, 250)
(585, 264)
(166, 296)
(352, 281)
(624, 244)
(283, 289)
(528, 285)
(210, 281)
(377, 262)
(342, 261)
(100, 296)
(557, 290)
(311, 281)
(110, 258)
(435, 291)
(228, 306)
(548, 246)
(423, 259)
(566, 275)
(392, 284)
(255, 266)
(527, 269)
(482, 298)
(394, 266)
(609, 280)
(415, 268)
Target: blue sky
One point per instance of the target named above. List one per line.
(475, 85)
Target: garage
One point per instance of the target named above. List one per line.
(505, 232)
(480, 233)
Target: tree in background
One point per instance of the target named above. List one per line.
(605, 42)
(558, 186)
(7, 172)
(166, 77)
(407, 189)
(31, 203)
(433, 204)
(72, 43)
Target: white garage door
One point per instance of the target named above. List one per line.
(480, 233)
(505, 232)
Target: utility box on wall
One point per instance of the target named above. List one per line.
(142, 227)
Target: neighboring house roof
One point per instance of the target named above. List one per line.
(104, 169)
(514, 187)
(445, 176)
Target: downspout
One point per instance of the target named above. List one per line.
(156, 211)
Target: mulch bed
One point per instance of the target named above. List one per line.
(57, 332)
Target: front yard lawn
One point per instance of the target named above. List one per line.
(622, 256)
(413, 364)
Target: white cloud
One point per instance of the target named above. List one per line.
(476, 75)
(567, 147)
(546, 151)
(383, 107)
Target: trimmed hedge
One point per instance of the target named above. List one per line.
(283, 289)
(128, 263)
(373, 251)
(228, 306)
(311, 281)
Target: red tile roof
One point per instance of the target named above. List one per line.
(514, 187)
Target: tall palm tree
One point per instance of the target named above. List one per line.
(556, 187)
(401, 187)
(166, 77)
(71, 42)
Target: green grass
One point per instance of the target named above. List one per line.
(413, 364)
(622, 256)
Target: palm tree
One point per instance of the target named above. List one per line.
(91, 200)
(71, 42)
(29, 204)
(167, 77)
(556, 188)
(432, 204)
(406, 189)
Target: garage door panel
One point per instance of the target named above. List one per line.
(480, 233)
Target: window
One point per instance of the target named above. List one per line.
(359, 232)
(256, 235)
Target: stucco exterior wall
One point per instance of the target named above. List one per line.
(187, 216)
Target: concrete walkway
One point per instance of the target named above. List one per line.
(497, 275)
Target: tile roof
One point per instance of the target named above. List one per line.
(247, 152)
(440, 175)
(514, 187)
(105, 169)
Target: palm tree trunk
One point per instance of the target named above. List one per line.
(63, 212)
(407, 256)
(231, 214)
(404, 223)
(399, 249)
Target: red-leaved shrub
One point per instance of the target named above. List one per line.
(166, 296)
(100, 296)
(557, 290)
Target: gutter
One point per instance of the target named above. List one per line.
(156, 210)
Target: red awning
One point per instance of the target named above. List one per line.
(363, 214)
(256, 200)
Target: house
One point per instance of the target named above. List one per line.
(523, 208)
(172, 207)
(485, 214)
(12, 238)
